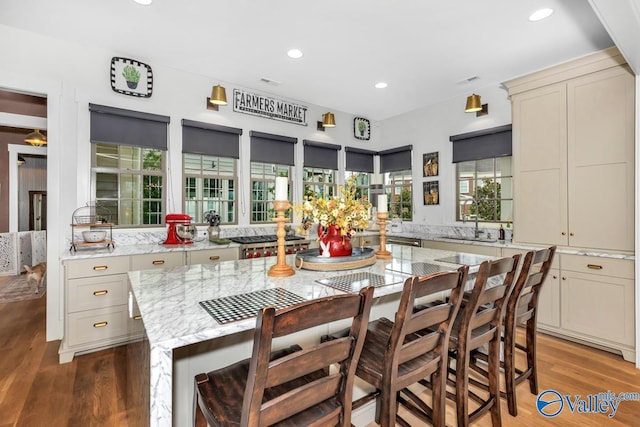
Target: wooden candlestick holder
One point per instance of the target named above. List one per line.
(383, 253)
(281, 268)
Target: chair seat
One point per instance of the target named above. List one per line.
(223, 391)
(371, 365)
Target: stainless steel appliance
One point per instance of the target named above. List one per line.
(267, 245)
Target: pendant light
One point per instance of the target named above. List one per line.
(473, 104)
(218, 95)
(36, 139)
(328, 120)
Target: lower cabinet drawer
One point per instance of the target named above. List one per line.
(212, 256)
(159, 260)
(598, 265)
(98, 325)
(96, 292)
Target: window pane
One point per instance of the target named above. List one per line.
(106, 155)
(192, 163)
(129, 158)
(485, 190)
(152, 160)
(106, 186)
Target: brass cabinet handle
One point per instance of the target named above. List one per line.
(214, 257)
(564, 278)
(158, 262)
(564, 233)
(138, 317)
(594, 266)
(102, 292)
(100, 324)
(554, 276)
(99, 267)
(570, 234)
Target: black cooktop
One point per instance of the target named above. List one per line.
(245, 240)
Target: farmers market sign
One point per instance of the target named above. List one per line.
(263, 106)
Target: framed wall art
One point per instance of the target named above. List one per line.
(431, 192)
(430, 164)
(361, 128)
(131, 77)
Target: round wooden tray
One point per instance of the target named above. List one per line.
(310, 259)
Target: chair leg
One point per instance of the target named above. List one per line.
(509, 370)
(198, 416)
(494, 380)
(531, 355)
(387, 408)
(439, 394)
(462, 388)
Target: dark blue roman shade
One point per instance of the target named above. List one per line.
(320, 154)
(483, 144)
(210, 139)
(395, 159)
(359, 160)
(270, 148)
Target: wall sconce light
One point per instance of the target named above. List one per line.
(218, 97)
(36, 139)
(474, 105)
(21, 160)
(328, 121)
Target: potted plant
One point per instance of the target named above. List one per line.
(213, 218)
(131, 75)
(362, 126)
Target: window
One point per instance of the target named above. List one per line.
(318, 182)
(485, 190)
(271, 156)
(209, 154)
(362, 184)
(483, 174)
(210, 184)
(128, 181)
(397, 187)
(395, 164)
(263, 189)
(128, 164)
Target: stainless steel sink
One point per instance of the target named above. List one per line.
(469, 239)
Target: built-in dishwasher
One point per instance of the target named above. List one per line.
(406, 241)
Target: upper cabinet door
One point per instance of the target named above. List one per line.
(540, 165)
(600, 118)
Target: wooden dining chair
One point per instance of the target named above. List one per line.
(479, 324)
(292, 386)
(521, 309)
(394, 357)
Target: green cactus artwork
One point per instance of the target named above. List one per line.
(130, 74)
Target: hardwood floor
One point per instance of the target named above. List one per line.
(97, 389)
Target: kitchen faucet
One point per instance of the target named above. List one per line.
(475, 201)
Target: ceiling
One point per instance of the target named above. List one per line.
(425, 50)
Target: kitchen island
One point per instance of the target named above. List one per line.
(183, 339)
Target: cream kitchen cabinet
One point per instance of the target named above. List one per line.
(157, 260)
(209, 256)
(590, 300)
(96, 311)
(573, 152)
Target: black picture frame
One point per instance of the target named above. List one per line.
(431, 192)
(142, 88)
(361, 128)
(430, 164)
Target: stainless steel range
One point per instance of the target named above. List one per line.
(267, 245)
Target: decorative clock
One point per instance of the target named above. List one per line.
(131, 77)
(361, 128)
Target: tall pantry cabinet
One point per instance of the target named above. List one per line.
(573, 157)
(573, 136)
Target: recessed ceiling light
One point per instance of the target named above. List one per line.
(144, 2)
(540, 14)
(381, 85)
(294, 53)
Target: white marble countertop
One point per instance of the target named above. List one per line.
(169, 298)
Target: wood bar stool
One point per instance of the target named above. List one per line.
(522, 308)
(394, 357)
(479, 324)
(293, 386)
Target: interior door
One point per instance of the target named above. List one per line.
(37, 210)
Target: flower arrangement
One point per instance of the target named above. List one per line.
(344, 211)
(213, 218)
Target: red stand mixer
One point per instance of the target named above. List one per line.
(181, 231)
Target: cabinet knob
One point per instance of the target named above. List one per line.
(102, 292)
(138, 317)
(570, 234)
(100, 324)
(564, 278)
(99, 267)
(564, 233)
(554, 276)
(158, 262)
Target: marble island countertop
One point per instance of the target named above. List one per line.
(168, 300)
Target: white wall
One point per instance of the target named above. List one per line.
(429, 129)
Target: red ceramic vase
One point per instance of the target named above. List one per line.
(338, 245)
